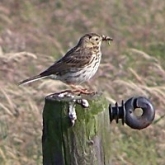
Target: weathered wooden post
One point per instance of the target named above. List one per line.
(84, 139)
(87, 142)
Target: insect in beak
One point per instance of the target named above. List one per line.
(107, 38)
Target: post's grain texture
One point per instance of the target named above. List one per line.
(85, 143)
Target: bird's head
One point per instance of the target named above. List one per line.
(93, 40)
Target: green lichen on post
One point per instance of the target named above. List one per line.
(85, 143)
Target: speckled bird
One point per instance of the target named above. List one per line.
(79, 64)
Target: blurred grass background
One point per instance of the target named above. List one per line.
(34, 33)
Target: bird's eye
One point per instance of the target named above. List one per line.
(90, 37)
(96, 39)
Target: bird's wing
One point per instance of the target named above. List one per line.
(75, 58)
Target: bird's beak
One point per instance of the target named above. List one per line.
(106, 38)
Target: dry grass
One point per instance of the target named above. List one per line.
(33, 33)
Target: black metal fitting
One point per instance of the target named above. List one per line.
(125, 112)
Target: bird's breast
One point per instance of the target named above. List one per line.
(80, 75)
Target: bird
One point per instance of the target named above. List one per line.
(78, 65)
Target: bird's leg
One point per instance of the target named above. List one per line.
(77, 87)
(80, 90)
(76, 90)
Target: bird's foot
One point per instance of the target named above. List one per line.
(83, 91)
(80, 90)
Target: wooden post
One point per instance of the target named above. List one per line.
(87, 142)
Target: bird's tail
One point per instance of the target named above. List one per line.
(29, 80)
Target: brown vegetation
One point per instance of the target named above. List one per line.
(36, 32)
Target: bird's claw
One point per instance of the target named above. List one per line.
(83, 91)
